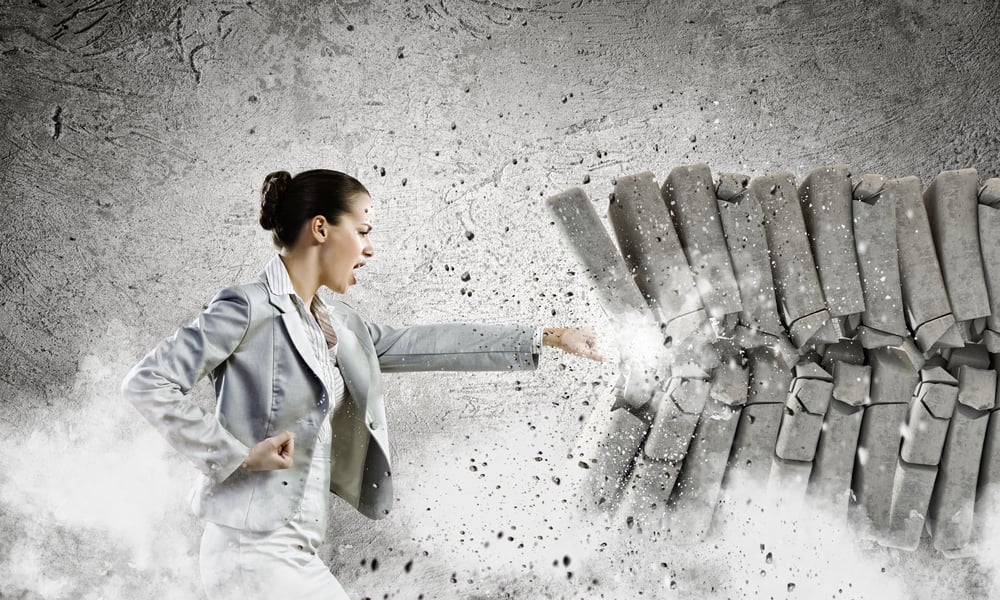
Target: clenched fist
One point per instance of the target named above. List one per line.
(271, 454)
(575, 340)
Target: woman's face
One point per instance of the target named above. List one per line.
(347, 246)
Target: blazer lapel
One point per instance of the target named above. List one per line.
(352, 361)
(293, 325)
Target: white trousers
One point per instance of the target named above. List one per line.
(246, 565)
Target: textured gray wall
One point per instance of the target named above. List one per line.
(135, 136)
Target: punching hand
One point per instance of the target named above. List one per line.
(575, 340)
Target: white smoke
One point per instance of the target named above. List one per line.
(93, 499)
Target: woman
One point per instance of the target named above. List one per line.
(299, 394)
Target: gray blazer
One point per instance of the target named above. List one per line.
(252, 345)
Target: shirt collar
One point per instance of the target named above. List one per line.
(281, 283)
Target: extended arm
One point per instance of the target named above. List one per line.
(454, 347)
(473, 347)
(159, 386)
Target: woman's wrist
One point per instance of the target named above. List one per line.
(552, 336)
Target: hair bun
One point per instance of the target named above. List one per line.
(271, 195)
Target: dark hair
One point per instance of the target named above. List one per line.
(287, 202)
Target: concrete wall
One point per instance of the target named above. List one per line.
(135, 138)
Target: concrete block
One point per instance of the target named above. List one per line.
(814, 329)
(875, 464)
(730, 381)
(796, 282)
(988, 485)
(950, 516)
(587, 237)
(689, 194)
(753, 445)
(977, 388)
(873, 338)
(851, 383)
(893, 381)
(846, 351)
(644, 500)
(991, 339)
(743, 225)
(757, 431)
(678, 409)
(653, 252)
(912, 486)
(617, 291)
(928, 418)
(970, 355)
(696, 492)
(805, 408)
(868, 187)
(989, 244)
(874, 219)
(770, 379)
(944, 329)
(788, 481)
(924, 296)
(826, 198)
(603, 453)
(833, 465)
(952, 209)
(894, 378)
(989, 194)
(989, 474)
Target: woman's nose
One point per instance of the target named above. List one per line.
(369, 250)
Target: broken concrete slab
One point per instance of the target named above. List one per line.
(912, 486)
(924, 296)
(874, 219)
(928, 418)
(602, 455)
(615, 287)
(875, 464)
(644, 500)
(851, 383)
(802, 420)
(951, 511)
(793, 270)
(677, 411)
(653, 252)
(893, 381)
(989, 244)
(696, 492)
(826, 198)
(952, 210)
(743, 225)
(833, 465)
(689, 195)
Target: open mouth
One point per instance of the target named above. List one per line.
(354, 278)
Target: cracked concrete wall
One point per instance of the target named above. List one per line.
(135, 136)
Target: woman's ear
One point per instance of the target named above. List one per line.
(319, 227)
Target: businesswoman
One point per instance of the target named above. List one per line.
(299, 392)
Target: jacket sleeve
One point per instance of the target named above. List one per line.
(454, 347)
(159, 386)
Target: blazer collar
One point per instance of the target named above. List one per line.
(351, 360)
(279, 285)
